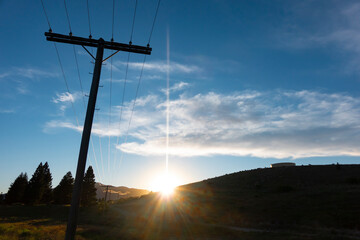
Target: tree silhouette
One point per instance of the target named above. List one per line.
(17, 189)
(39, 189)
(62, 193)
(88, 194)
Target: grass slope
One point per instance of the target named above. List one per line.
(309, 202)
(326, 196)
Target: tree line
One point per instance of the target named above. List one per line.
(38, 190)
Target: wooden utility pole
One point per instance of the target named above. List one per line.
(107, 190)
(100, 44)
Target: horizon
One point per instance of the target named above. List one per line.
(250, 84)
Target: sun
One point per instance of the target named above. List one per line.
(165, 184)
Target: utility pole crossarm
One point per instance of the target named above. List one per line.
(55, 37)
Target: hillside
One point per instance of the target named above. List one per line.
(303, 202)
(326, 196)
(116, 193)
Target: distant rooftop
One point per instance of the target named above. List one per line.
(283, 164)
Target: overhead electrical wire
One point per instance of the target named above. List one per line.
(109, 125)
(67, 15)
(126, 74)
(92, 144)
(88, 13)
(153, 25)
(110, 88)
(133, 23)
(64, 76)
(125, 80)
(47, 18)
(113, 19)
(133, 107)
(139, 81)
(78, 72)
(83, 99)
(66, 84)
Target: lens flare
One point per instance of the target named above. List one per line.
(165, 184)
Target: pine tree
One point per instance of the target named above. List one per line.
(47, 185)
(62, 193)
(17, 189)
(88, 194)
(39, 187)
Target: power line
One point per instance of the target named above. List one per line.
(83, 98)
(66, 84)
(68, 19)
(122, 106)
(72, 104)
(133, 23)
(111, 73)
(140, 77)
(78, 72)
(47, 18)
(113, 17)
(88, 12)
(153, 25)
(133, 107)
(100, 148)
(125, 79)
(101, 46)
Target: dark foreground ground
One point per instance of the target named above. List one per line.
(312, 202)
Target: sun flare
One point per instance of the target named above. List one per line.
(165, 184)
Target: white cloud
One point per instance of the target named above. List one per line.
(32, 72)
(177, 87)
(3, 75)
(261, 124)
(337, 25)
(66, 97)
(160, 66)
(28, 72)
(7, 111)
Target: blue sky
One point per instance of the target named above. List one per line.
(251, 83)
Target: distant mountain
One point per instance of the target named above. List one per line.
(115, 193)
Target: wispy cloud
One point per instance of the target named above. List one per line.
(19, 77)
(177, 87)
(337, 26)
(262, 124)
(65, 99)
(160, 66)
(117, 80)
(33, 72)
(7, 111)
(4, 75)
(28, 72)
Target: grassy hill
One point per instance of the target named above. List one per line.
(324, 196)
(304, 202)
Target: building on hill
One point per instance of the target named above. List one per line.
(283, 164)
